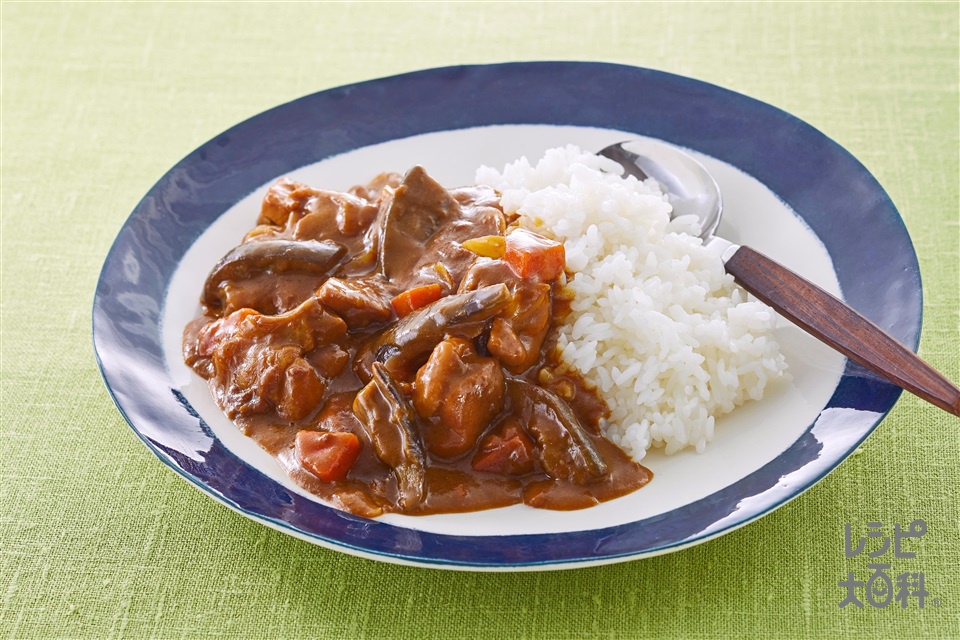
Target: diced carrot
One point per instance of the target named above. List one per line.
(532, 256)
(508, 451)
(329, 455)
(413, 299)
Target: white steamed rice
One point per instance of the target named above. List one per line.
(657, 325)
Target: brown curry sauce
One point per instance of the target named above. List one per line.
(459, 405)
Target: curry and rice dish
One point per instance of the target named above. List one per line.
(402, 347)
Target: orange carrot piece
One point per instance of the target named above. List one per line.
(532, 256)
(507, 451)
(413, 299)
(329, 455)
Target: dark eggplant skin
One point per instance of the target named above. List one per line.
(415, 336)
(276, 256)
(564, 448)
(392, 426)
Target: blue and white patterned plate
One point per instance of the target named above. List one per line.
(789, 191)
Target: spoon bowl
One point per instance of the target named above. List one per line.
(689, 187)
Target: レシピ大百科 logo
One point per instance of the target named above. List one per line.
(885, 583)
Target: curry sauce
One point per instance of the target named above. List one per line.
(393, 347)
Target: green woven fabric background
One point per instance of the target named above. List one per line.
(100, 540)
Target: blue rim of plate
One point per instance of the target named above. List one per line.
(835, 195)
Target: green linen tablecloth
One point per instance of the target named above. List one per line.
(101, 540)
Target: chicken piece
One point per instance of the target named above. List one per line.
(463, 390)
(283, 199)
(359, 301)
(520, 328)
(374, 189)
(311, 212)
(258, 362)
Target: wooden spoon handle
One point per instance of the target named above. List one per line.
(833, 322)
